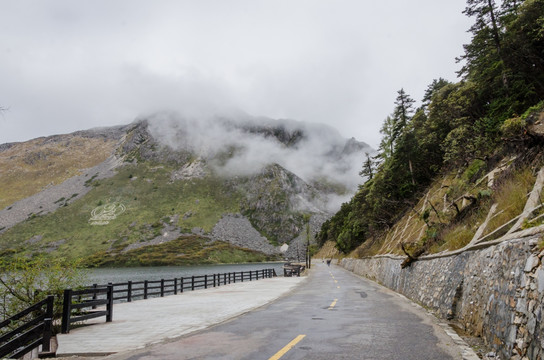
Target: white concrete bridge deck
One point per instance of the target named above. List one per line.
(146, 322)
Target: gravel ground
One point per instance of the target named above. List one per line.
(237, 230)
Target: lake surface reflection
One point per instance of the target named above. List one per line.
(119, 275)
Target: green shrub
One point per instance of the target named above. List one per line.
(25, 282)
(513, 127)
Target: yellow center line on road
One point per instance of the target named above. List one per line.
(287, 347)
(333, 304)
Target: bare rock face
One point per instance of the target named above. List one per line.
(196, 169)
(297, 246)
(140, 145)
(237, 230)
(276, 201)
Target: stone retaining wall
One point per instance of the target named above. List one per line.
(496, 293)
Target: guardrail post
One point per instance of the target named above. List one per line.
(193, 283)
(213, 280)
(181, 285)
(257, 273)
(109, 305)
(145, 289)
(274, 271)
(205, 281)
(175, 286)
(94, 295)
(162, 287)
(242, 276)
(129, 291)
(66, 310)
(225, 279)
(48, 324)
(250, 278)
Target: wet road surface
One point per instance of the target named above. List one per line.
(333, 315)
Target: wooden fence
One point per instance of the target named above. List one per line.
(75, 301)
(33, 327)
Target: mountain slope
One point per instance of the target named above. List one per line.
(147, 193)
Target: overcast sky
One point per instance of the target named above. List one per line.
(72, 65)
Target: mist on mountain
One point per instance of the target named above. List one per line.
(242, 145)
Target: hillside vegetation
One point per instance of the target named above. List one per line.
(151, 200)
(456, 169)
(26, 168)
(139, 195)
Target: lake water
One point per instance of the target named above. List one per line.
(118, 275)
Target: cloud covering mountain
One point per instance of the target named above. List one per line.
(312, 151)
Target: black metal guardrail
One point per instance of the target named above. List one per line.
(29, 333)
(97, 295)
(138, 290)
(84, 299)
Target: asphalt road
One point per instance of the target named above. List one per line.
(333, 315)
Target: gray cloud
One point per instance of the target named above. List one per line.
(67, 65)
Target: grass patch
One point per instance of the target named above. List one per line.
(186, 250)
(148, 197)
(511, 197)
(537, 220)
(457, 237)
(472, 170)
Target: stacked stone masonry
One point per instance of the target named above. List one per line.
(496, 293)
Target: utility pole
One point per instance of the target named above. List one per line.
(308, 256)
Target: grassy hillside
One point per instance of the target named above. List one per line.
(26, 168)
(144, 191)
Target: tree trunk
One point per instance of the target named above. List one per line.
(497, 40)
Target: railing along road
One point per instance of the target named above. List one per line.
(27, 330)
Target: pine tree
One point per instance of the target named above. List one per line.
(484, 53)
(386, 144)
(432, 89)
(402, 114)
(368, 167)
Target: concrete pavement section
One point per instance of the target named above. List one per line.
(146, 322)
